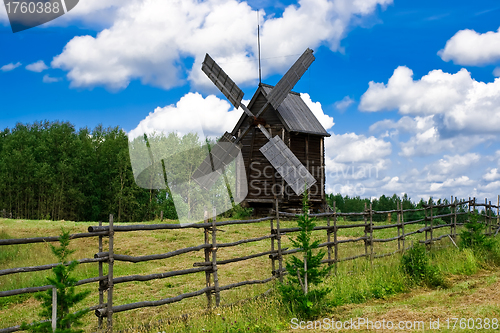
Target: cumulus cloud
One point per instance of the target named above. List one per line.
(343, 104)
(496, 72)
(149, 40)
(426, 138)
(432, 94)
(450, 166)
(209, 117)
(50, 79)
(325, 120)
(351, 147)
(10, 67)
(457, 102)
(492, 174)
(468, 47)
(456, 182)
(394, 185)
(453, 178)
(430, 142)
(38, 66)
(352, 160)
(4, 19)
(405, 124)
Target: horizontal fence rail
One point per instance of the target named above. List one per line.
(210, 263)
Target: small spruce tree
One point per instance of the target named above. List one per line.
(66, 296)
(306, 271)
(473, 236)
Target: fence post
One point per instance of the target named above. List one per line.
(101, 282)
(432, 226)
(110, 275)
(54, 309)
(371, 235)
(278, 238)
(329, 238)
(272, 256)
(452, 211)
(489, 219)
(399, 225)
(455, 221)
(207, 259)
(402, 225)
(214, 258)
(161, 216)
(336, 253)
(486, 216)
(426, 220)
(366, 232)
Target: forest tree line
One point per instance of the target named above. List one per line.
(50, 170)
(348, 204)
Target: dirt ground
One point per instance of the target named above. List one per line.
(474, 301)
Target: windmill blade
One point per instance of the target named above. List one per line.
(222, 81)
(288, 81)
(288, 165)
(219, 157)
(278, 154)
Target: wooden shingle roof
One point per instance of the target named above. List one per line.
(293, 113)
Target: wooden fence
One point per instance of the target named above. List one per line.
(210, 264)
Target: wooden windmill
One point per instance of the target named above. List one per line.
(279, 137)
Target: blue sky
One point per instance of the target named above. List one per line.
(409, 90)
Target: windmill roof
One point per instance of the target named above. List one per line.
(293, 113)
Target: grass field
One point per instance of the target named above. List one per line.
(356, 282)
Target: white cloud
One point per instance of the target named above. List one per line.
(430, 142)
(49, 79)
(149, 40)
(450, 166)
(394, 185)
(95, 12)
(325, 120)
(38, 66)
(343, 104)
(493, 188)
(208, 116)
(492, 175)
(351, 147)
(88, 13)
(10, 67)
(422, 185)
(467, 47)
(426, 138)
(405, 124)
(434, 93)
(496, 72)
(4, 19)
(449, 183)
(354, 158)
(458, 102)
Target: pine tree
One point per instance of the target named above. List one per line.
(306, 271)
(66, 296)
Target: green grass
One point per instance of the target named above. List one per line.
(357, 282)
